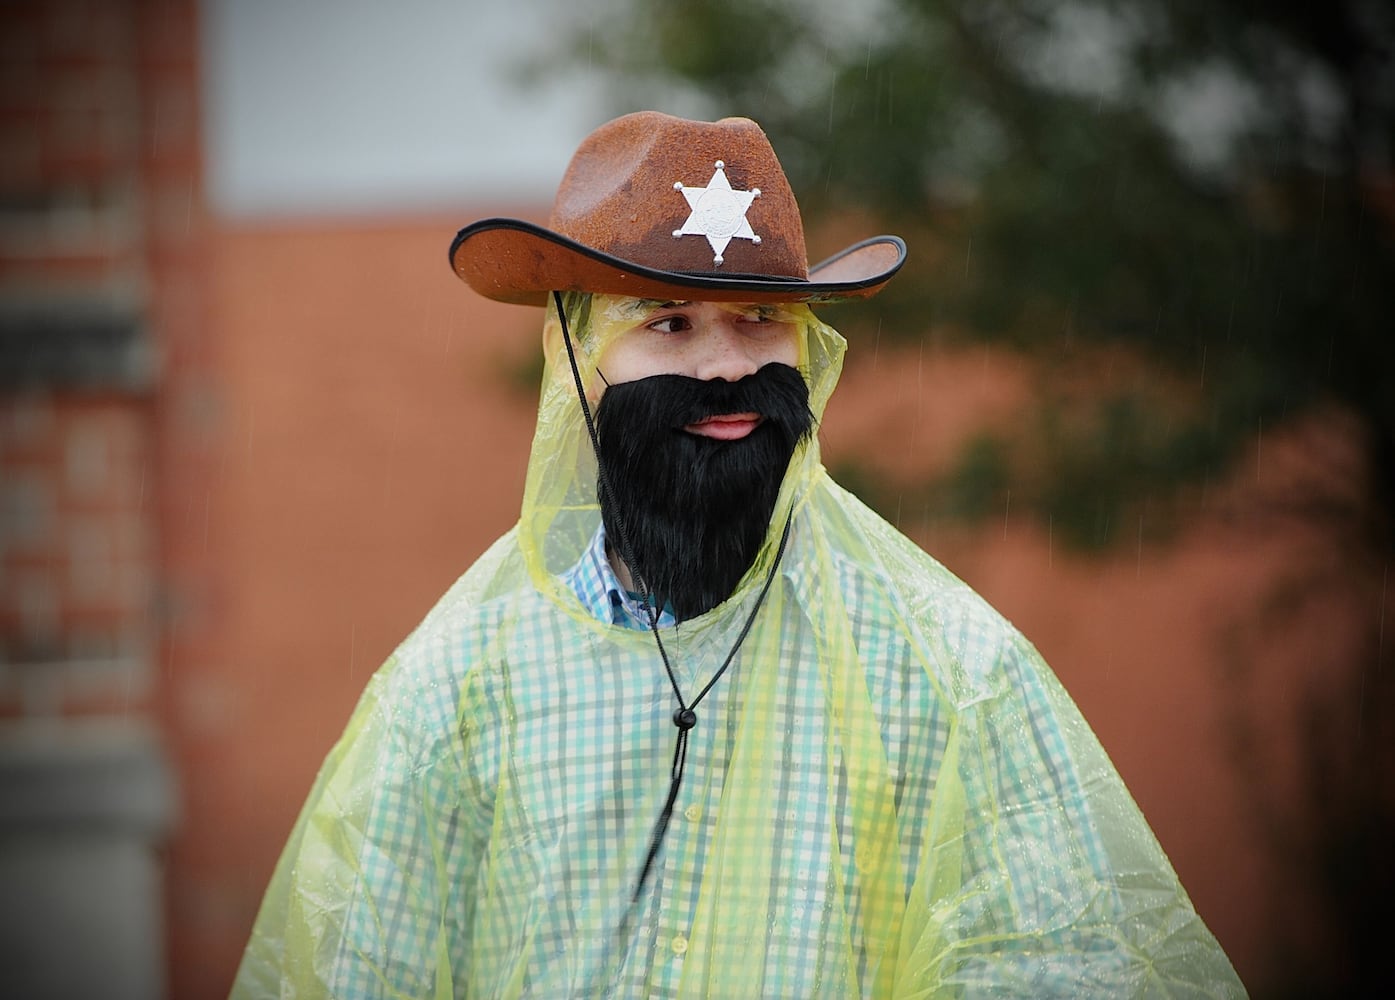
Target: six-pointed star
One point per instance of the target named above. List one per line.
(718, 212)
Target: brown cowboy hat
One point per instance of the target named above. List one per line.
(654, 206)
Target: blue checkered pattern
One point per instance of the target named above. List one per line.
(506, 848)
(595, 584)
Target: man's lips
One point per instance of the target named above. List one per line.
(726, 426)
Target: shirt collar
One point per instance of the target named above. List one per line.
(595, 584)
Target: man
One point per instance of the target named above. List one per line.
(702, 724)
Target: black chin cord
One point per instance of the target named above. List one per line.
(684, 716)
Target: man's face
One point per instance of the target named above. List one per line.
(703, 410)
(702, 340)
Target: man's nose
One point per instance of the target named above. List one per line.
(722, 352)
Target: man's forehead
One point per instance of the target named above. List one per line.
(622, 306)
(649, 305)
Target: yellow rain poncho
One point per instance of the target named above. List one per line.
(888, 794)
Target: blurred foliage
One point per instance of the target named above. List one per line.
(1208, 185)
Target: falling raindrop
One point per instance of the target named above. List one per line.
(919, 396)
(1380, 633)
(1259, 447)
(169, 649)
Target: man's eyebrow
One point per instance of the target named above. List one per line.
(659, 303)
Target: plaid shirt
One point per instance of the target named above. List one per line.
(524, 824)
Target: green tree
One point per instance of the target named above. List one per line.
(1208, 184)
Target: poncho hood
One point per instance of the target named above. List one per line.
(560, 511)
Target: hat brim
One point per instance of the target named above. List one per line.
(510, 260)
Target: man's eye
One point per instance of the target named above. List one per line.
(669, 324)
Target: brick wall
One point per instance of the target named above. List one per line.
(77, 556)
(106, 385)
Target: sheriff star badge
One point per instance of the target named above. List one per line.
(718, 212)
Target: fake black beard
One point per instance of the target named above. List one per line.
(695, 510)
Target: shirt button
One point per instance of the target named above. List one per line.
(693, 813)
(679, 944)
